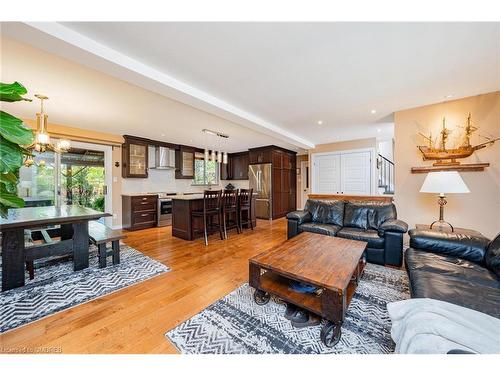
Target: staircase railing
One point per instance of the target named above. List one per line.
(385, 174)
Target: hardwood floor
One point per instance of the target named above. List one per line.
(135, 319)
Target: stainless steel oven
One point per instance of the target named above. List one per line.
(164, 212)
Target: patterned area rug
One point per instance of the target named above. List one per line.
(235, 324)
(57, 287)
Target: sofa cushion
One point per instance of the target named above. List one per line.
(312, 206)
(378, 213)
(454, 280)
(331, 212)
(368, 235)
(469, 247)
(328, 229)
(356, 215)
(492, 256)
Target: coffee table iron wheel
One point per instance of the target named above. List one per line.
(330, 332)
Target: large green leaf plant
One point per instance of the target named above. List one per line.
(14, 138)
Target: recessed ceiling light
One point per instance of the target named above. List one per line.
(373, 111)
(379, 130)
(448, 96)
(162, 134)
(320, 122)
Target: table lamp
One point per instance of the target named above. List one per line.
(443, 183)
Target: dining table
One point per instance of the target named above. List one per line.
(72, 228)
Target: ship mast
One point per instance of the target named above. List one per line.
(469, 129)
(444, 136)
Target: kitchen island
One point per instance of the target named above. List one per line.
(184, 224)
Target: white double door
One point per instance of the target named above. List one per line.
(343, 173)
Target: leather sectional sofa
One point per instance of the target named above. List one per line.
(373, 222)
(457, 268)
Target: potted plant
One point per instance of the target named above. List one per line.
(15, 137)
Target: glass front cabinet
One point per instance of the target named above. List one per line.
(134, 158)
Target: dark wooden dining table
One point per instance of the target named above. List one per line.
(73, 221)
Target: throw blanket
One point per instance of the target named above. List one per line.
(424, 325)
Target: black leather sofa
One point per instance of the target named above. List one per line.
(457, 268)
(373, 222)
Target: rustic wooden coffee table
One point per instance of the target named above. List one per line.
(332, 264)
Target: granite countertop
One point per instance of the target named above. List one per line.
(187, 197)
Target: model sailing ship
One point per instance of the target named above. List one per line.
(444, 156)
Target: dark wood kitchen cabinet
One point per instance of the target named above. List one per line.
(184, 163)
(236, 167)
(134, 158)
(284, 177)
(261, 155)
(139, 211)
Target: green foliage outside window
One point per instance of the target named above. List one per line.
(205, 174)
(83, 185)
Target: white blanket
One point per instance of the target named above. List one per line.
(423, 325)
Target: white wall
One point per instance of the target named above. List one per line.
(386, 149)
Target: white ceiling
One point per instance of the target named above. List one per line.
(281, 78)
(88, 99)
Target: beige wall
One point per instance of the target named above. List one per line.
(480, 209)
(346, 145)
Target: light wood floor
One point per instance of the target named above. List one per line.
(135, 319)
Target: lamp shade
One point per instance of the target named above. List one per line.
(444, 182)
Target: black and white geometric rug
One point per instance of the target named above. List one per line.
(235, 324)
(57, 287)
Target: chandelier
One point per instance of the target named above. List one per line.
(42, 138)
(215, 155)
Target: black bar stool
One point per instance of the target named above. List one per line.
(230, 206)
(245, 204)
(211, 208)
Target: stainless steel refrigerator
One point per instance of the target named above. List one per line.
(260, 176)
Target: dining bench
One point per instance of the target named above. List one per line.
(100, 235)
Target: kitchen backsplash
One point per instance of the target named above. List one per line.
(164, 181)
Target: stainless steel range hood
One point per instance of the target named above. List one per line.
(164, 158)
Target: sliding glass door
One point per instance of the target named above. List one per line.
(37, 184)
(81, 176)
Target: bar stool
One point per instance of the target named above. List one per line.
(211, 208)
(245, 204)
(229, 206)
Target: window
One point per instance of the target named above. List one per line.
(205, 174)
